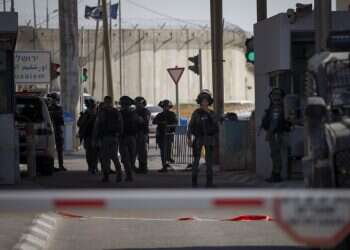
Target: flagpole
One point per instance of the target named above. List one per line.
(120, 49)
(110, 25)
(107, 50)
(95, 54)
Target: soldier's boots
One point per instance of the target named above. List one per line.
(275, 178)
(129, 178)
(209, 182)
(105, 178)
(194, 181)
(118, 178)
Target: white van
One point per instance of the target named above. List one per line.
(33, 109)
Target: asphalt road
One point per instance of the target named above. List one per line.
(134, 230)
(12, 226)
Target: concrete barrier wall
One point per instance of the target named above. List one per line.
(146, 54)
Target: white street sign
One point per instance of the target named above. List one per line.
(176, 73)
(314, 220)
(32, 67)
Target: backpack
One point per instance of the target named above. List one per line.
(131, 121)
(265, 122)
(111, 122)
(82, 124)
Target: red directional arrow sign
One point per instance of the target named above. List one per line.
(176, 73)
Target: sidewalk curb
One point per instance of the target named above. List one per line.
(39, 234)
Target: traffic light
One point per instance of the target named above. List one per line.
(196, 64)
(250, 53)
(84, 76)
(55, 70)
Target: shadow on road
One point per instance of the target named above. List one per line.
(222, 248)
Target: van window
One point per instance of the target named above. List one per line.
(29, 110)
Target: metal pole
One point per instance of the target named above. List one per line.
(217, 55)
(69, 59)
(200, 71)
(34, 30)
(322, 20)
(4, 5)
(120, 49)
(47, 14)
(95, 54)
(81, 69)
(12, 5)
(110, 25)
(261, 10)
(177, 102)
(107, 50)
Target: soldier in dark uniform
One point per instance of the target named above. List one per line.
(205, 128)
(86, 124)
(166, 122)
(128, 138)
(275, 126)
(56, 114)
(108, 127)
(142, 135)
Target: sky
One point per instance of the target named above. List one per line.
(156, 12)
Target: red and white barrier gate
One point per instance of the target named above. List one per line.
(312, 217)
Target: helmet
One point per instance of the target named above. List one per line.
(277, 91)
(205, 94)
(126, 101)
(90, 103)
(141, 100)
(54, 96)
(165, 103)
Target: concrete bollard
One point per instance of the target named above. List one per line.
(30, 150)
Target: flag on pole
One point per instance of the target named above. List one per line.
(93, 12)
(114, 11)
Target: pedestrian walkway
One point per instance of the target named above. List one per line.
(78, 177)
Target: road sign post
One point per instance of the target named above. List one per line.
(175, 74)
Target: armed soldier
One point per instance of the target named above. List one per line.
(128, 137)
(56, 115)
(166, 122)
(275, 126)
(204, 127)
(109, 126)
(142, 135)
(86, 124)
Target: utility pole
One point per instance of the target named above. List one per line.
(261, 10)
(69, 58)
(217, 55)
(34, 30)
(323, 23)
(200, 70)
(107, 50)
(95, 54)
(120, 49)
(47, 14)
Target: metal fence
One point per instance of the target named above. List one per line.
(179, 152)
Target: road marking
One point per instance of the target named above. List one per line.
(240, 218)
(38, 234)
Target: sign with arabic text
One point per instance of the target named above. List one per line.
(32, 67)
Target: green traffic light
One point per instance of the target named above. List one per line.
(250, 56)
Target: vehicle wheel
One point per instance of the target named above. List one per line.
(45, 166)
